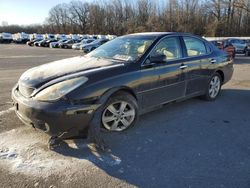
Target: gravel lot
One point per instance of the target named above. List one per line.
(189, 144)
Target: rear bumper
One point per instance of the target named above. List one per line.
(55, 118)
(228, 72)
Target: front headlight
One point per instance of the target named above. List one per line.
(60, 89)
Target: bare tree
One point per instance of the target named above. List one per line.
(207, 17)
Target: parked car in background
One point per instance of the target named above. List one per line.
(240, 45)
(78, 46)
(61, 37)
(49, 36)
(57, 43)
(21, 38)
(5, 37)
(247, 53)
(116, 82)
(47, 43)
(93, 45)
(226, 46)
(31, 42)
(35, 36)
(38, 43)
(68, 43)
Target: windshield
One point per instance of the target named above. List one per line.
(127, 48)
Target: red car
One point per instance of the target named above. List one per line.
(226, 46)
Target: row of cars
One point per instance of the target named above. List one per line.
(233, 46)
(84, 44)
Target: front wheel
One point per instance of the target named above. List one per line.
(213, 88)
(120, 112)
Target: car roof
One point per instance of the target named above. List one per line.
(159, 34)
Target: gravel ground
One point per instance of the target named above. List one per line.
(188, 144)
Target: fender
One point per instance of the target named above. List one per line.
(106, 95)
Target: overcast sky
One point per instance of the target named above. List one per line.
(24, 12)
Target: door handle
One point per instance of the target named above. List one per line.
(183, 66)
(213, 61)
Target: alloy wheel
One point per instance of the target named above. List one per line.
(214, 87)
(118, 116)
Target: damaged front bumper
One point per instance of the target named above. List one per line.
(54, 118)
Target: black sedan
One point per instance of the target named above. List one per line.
(121, 79)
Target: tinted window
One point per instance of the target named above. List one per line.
(170, 47)
(195, 47)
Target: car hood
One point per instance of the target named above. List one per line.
(42, 74)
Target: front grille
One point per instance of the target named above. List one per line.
(25, 91)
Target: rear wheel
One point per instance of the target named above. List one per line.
(213, 88)
(247, 53)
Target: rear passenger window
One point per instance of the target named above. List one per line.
(195, 47)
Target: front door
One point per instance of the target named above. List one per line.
(167, 79)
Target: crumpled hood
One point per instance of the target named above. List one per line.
(47, 72)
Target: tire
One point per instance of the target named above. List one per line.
(92, 49)
(247, 53)
(213, 91)
(233, 55)
(117, 121)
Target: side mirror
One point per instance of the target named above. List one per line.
(158, 58)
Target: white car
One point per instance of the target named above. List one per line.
(5, 37)
(93, 45)
(21, 37)
(56, 44)
(77, 46)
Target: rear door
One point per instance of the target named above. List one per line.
(196, 55)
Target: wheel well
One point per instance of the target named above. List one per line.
(125, 90)
(221, 74)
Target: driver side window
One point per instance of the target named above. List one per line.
(170, 47)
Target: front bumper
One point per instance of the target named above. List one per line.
(57, 118)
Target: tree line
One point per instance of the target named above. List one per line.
(201, 17)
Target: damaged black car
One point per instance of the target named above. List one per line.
(118, 81)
